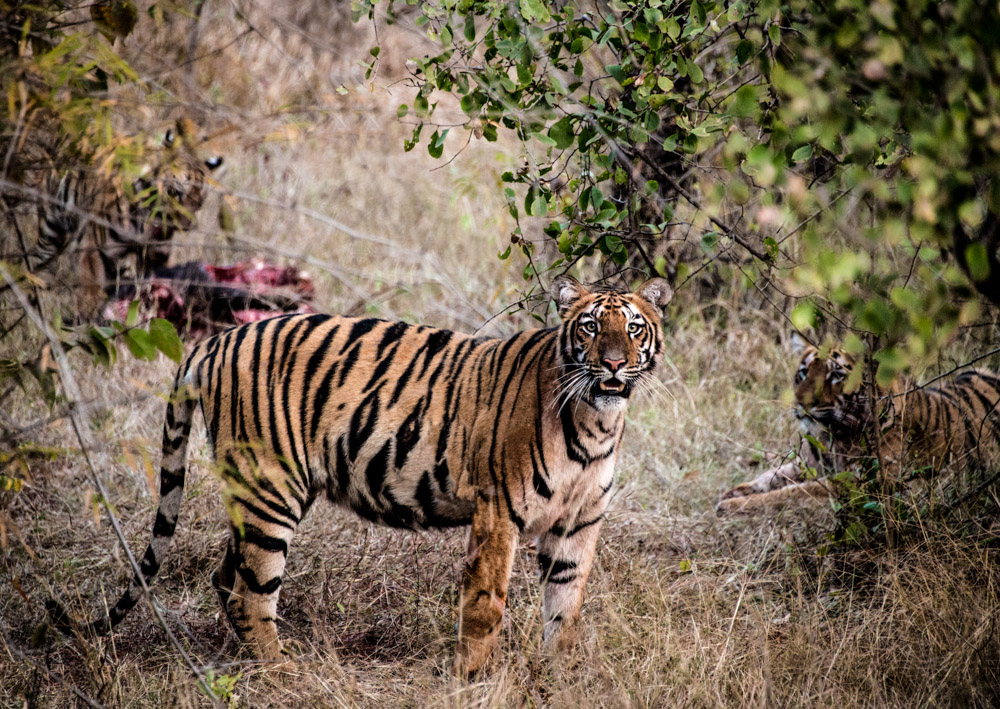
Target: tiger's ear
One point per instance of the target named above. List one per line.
(566, 291)
(657, 292)
(798, 343)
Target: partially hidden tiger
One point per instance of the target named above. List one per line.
(97, 235)
(417, 428)
(908, 430)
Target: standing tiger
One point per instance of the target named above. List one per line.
(954, 427)
(416, 428)
(113, 235)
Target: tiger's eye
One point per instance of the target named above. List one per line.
(634, 328)
(589, 327)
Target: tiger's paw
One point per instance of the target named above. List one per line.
(735, 499)
(471, 656)
(733, 503)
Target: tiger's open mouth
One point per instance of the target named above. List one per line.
(611, 387)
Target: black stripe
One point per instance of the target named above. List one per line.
(213, 381)
(163, 527)
(392, 333)
(252, 534)
(292, 428)
(404, 378)
(381, 367)
(169, 479)
(149, 565)
(537, 479)
(436, 342)
(258, 512)
(343, 466)
(562, 532)
(348, 362)
(408, 435)
(363, 422)
(234, 373)
(312, 368)
(376, 470)
(255, 586)
(360, 328)
(397, 515)
(322, 396)
(258, 332)
(550, 568)
(443, 476)
(274, 373)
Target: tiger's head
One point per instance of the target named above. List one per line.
(821, 402)
(610, 340)
(172, 190)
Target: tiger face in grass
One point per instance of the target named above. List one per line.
(115, 235)
(953, 426)
(418, 428)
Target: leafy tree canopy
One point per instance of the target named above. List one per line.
(840, 153)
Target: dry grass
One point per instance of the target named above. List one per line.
(683, 609)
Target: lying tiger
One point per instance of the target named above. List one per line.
(417, 428)
(111, 236)
(954, 426)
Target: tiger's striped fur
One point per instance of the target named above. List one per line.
(417, 428)
(130, 233)
(954, 426)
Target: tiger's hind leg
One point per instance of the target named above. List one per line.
(248, 581)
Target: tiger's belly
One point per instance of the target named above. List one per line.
(387, 481)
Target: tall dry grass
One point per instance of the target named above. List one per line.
(683, 609)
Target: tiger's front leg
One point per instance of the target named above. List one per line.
(492, 543)
(565, 556)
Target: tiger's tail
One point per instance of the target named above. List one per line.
(176, 432)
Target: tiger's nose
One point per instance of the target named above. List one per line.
(613, 364)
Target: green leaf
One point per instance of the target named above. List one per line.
(803, 315)
(471, 103)
(544, 139)
(606, 215)
(802, 154)
(744, 49)
(562, 133)
(977, 260)
(745, 102)
(402, 110)
(534, 10)
(596, 198)
(539, 207)
(435, 147)
(133, 314)
(470, 27)
(774, 34)
(695, 72)
(140, 344)
(164, 337)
